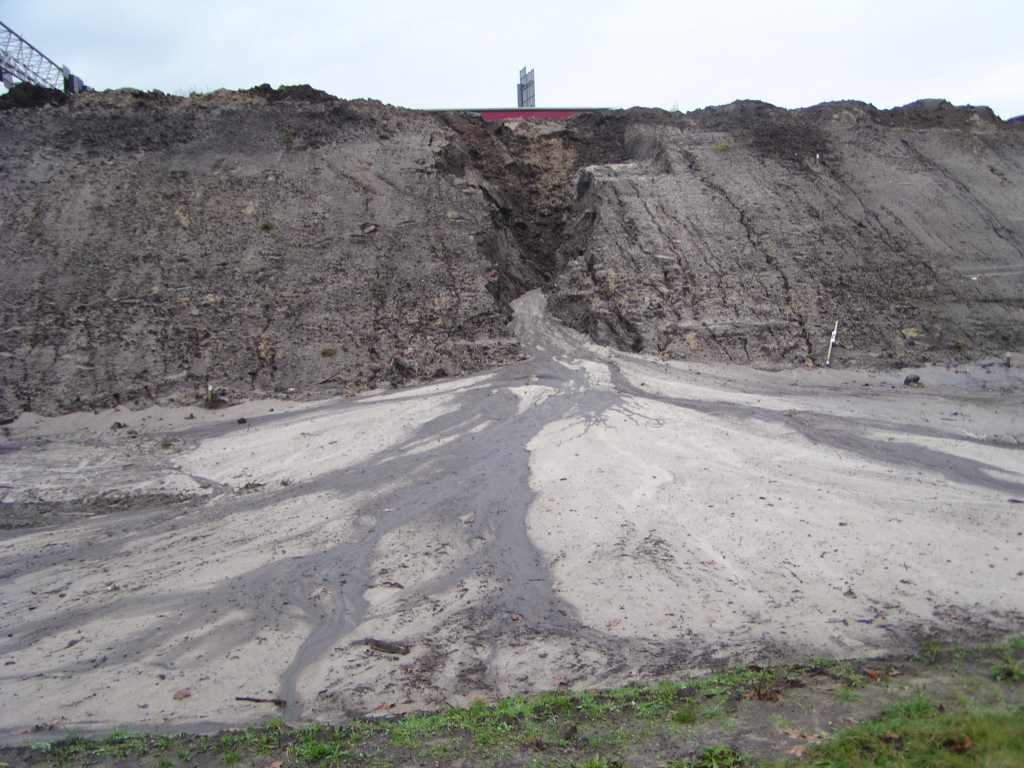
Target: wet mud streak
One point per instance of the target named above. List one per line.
(480, 472)
(850, 434)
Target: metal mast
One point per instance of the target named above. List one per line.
(525, 89)
(20, 60)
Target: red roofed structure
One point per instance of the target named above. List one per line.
(544, 113)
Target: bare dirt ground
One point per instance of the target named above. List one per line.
(581, 519)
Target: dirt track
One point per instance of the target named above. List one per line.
(579, 519)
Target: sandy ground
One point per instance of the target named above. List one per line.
(582, 519)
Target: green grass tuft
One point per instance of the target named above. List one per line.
(979, 722)
(915, 732)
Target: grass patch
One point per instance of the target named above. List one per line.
(846, 693)
(685, 716)
(917, 732)
(1010, 668)
(971, 713)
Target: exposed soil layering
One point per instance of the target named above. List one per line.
(745, 232)
(284, 241)
(153, 246)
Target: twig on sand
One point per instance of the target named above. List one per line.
(332, 377)
(275, 702)
(387, 646)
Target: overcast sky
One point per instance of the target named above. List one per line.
(613, 53)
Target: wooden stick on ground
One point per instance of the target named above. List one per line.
(276, 702)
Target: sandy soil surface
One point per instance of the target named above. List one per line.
(581, 519)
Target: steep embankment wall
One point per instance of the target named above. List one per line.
(269, 241)
(259, 242)
(743, 233)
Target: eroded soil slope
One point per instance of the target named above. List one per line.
(745, 232)
(257, 242)
(287, 242)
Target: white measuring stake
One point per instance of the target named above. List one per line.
(831, 343)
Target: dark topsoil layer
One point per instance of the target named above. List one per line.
(285, 242)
